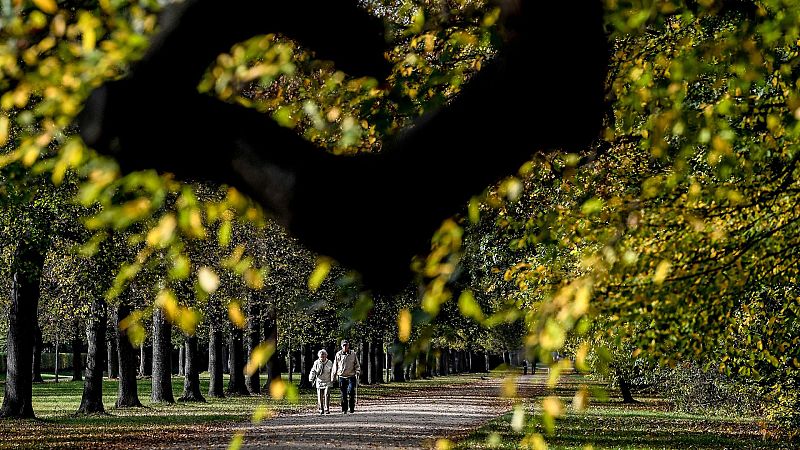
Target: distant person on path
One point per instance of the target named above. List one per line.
(321, 373)
(347, 369)
(524, 366)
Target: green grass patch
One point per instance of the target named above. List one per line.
(611, 424)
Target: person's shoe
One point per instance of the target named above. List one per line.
(352, 411)
(322, 412)
(327, 412)
(344, 412)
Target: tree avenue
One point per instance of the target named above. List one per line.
(651, 235)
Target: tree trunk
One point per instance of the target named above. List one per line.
(111, 347)
(236, 384)
(145, 360)
(398, 373)
(226, 357)
(26, 273)
(215, 385)
(305, 365)
(181, 361)
(77, 361)
(191, 382)
(127, 390)
(486, 361)
(363, 360)
(162, 358)
(37, 354)
(253, 381)
(92, 400)
(380, 358)
(625, 389)
(271, 336)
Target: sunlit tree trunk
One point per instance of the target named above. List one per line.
(181, 360)
(26, 273)
(111, 347)
(253, 381)
(162, 358)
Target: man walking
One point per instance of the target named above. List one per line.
(346, 370)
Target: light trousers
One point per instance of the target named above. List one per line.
(324, 399)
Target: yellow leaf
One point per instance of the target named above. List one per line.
(261, 413)
(236, 441)
(4, 126)
(518, 419)
(235, 315)
(277, 389)
(469, 306)
(188, 320)
(444, 444)
(552, 406)
(258, 357)
(166, 300)
(161, 234)
(30, 155)
(509, 387)
(404, 325)
(48, 6)
(209, 281)
(319, 274)
(662, 271)
(581, 399)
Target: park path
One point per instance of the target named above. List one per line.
(412, 419)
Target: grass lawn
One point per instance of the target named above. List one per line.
(611, 424)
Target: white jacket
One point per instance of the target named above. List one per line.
(321, 374)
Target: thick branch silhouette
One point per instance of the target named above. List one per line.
(372, 212)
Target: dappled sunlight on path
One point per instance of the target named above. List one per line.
(410, 421)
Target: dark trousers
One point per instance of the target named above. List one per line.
(348, 387)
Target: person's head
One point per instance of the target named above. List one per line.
(323, 355)
(345, 345)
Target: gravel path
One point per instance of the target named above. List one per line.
(414, 420)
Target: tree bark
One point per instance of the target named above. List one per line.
(307, 358)
(253, 381)
(92, 399)
(145, 360)
(215, 385)
(236, 384)
(226, 357)
(113, 358)
(398, 372)
(271, 336)
(625, 389)
(363, 360)
(127, 390)
(37, 354)
(162, 358)
(380, 359)
(181, 361)
(26, 273)
(486, 361)
(77, 361)
(191, 382)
